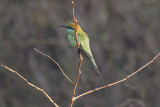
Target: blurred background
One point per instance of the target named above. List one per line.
(124, 35)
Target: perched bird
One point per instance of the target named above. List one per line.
(83, 43)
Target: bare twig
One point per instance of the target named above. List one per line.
(74, 90)
(122, 80)
(32, 85)
(55, 63)
(80, 57)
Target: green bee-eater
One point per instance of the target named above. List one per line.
(83, 43)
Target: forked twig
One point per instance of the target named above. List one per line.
(80, 57)
(122, 80)
(32, 85)
(55, 63)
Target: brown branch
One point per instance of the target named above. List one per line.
(32, 85)
(75, 24)
(56, 64)
(74, 90)
(122, 80)
(80, 57)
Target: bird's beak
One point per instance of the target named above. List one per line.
(64, 26)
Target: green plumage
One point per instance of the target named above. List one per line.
(84, 43)
(82, 39)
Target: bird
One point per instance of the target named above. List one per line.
(84, 45)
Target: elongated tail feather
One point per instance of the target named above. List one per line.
(97, 70)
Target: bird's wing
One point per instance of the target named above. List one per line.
(84, 44)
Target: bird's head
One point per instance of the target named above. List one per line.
(72, 27)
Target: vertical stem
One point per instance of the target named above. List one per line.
(80, 57)
(75, 86)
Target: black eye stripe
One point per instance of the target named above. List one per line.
(70, 28)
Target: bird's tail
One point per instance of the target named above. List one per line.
(97, 70)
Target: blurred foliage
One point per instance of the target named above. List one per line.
(124, 35)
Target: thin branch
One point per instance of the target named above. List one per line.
(122, 80)
(78, 76)
(32, 85)
(55, 63)
(80, 57)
